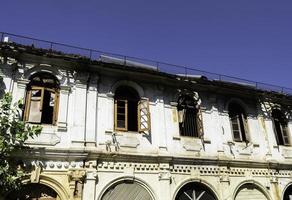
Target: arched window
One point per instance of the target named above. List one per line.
(250, 191)
(131, 112)
(195, 191)
(238, 122)
(33, 191)
(190, 123)
(288, 193)
(42, 97)
(127, 189)
(280, 127)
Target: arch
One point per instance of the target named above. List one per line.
(195, 95)
(237, 101)
(44, 68)
(118, 180)
(51, 183)
(286, 189)
(257, 186)
(198, 181)
(131, 84)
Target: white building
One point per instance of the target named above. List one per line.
(123, 130)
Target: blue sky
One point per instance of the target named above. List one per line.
(246, 38)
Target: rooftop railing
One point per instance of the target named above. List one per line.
(94, 54)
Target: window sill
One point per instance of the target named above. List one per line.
(205, 140)
(121, 133)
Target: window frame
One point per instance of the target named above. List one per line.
(283, 126)
(133, 102)
(241, 122)
(197, 125)
(28, 101)
(116, 115)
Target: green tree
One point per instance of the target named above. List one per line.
(13, 134)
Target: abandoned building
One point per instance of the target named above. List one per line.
(116, 128)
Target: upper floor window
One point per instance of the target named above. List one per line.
(190, 120)
(131, 111)
(42, 97)
(280, 127)
(238, 122)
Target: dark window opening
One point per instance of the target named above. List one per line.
(280, 127)
(238, 122)
(187, 113)
(42, 99)
(126, 109)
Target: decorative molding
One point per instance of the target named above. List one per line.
(128, 141)
(22, 83)
(62, 126)
(45, 138)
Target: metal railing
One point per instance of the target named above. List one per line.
(93, 54)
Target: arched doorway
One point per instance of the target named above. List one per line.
(248, 191)
(288, 193)
(195, 191)
(33, 191)
(129, 190)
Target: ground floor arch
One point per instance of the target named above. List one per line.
(127, 189)
(288, 193)
(250, 190)
(195, 191)
(33, 191)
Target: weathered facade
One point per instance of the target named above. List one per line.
(114, 130)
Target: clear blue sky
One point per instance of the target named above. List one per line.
(247, 38)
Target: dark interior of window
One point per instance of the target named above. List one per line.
(280, 126)
(237, 118)
(129, 112)
(187, 116)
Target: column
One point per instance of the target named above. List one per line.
(79, 118)
(63, 108)
(91, 113)
(89, 189)
(164, 181)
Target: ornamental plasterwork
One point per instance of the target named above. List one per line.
(222, 172)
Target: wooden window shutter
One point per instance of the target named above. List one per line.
(35, 105)
(199, 120)
(246, 129)
(275, 130)
(121, 115)
(55, 96)
(284, 131)
(181, 115)
(235, 129)
(27, 105)
(144, 123)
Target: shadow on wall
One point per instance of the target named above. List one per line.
(2, 88)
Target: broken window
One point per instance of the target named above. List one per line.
(238, 122)
(131, 112)
(190, 119)
(280, 127)
(42, 95)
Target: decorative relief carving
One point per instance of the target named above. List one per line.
(76, 179)
(164, 176)
(46, 138)
(128, 141)
(192, 146)
(35, 174)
